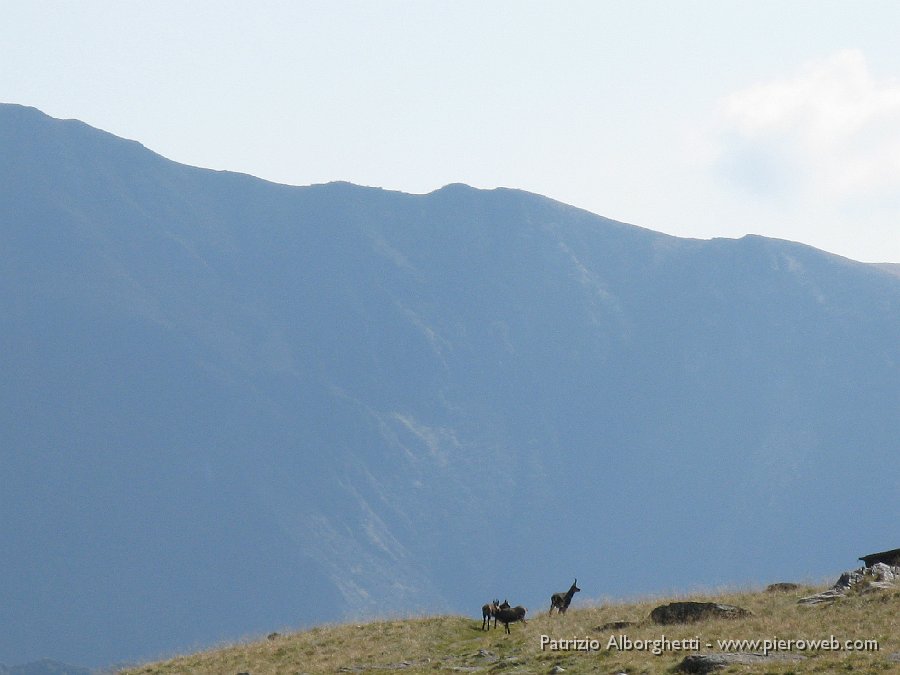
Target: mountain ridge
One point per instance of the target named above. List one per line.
(257, 404)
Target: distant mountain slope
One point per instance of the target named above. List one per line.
(44, 667)
(231, 406)
(893, 268)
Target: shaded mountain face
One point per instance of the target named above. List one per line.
(231, 407)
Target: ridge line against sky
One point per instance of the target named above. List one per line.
(699, 119)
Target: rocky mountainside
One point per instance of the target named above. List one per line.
(230, 406)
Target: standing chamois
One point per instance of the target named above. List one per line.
(561, 601)
(487, 611)
(508, 615)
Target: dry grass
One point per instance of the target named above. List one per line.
(457, 644)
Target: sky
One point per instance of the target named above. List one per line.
(703, 118)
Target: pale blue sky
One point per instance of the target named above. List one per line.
(700, 119)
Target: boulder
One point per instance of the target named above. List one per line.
(849, 579)
(885, 573)
(782, 587)
(707, 663)
(687, 612)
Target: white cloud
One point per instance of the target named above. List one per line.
(830, 132)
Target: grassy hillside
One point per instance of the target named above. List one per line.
(457, 644)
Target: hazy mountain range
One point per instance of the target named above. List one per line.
(230, 406)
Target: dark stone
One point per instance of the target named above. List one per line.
(782, 587)
(890, 558)
(687, 612)
(615, 625)
(707, 663)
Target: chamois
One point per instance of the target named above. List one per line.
(561, 601)
(487, 611)
(508, 615)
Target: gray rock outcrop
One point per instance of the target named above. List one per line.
(879, 576)
(707, 663)
(688, 612)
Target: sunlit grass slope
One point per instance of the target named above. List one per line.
(430, 644)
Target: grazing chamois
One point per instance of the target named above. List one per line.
(561, 601)
(487, 611)
(508, 615)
